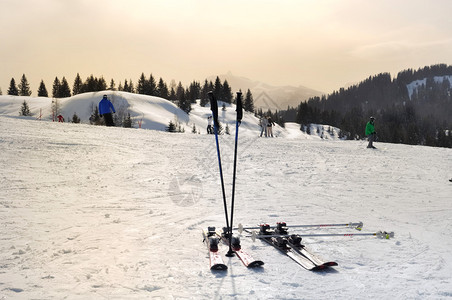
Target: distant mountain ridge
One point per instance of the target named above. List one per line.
(267, 96)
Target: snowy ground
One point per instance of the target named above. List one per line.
(92, 212)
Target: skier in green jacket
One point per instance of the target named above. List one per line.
(370, 132)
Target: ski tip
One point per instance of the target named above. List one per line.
(256, 263)
(319, 268)
(219, 267)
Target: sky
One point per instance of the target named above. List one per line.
(320, 44)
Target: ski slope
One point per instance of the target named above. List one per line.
(91, 212)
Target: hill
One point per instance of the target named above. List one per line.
(152, 113)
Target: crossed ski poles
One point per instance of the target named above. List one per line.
(216, 125)
(358, 226)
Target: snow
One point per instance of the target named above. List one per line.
(90, 212)
(413, 86)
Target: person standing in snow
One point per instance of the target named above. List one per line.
(370, 132)
(270, 125)
(263, 123)
(105, 109)
(209, 125)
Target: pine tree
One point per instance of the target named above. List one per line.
(56, 88)
(171, 127)
(13, 88)
(194, 91)
(112, 85)
(151, 86)
(64, 90)
(24, 87)
(126, 86)
(180, 92)
(42, 91)
(24, 110)
(75, 118)
(249, 102)
(162, 89)
(172, 95)
(127, 123)
(131, 86)
(227, 92)
(184, 103)
(89, 85)
(141, 85)
(95, 118)
(204, 94)
(101, 84)
(78, 85)
(218, 89)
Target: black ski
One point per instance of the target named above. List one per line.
(212, 240)
(281, 243)
(294, 241)
(246, 258)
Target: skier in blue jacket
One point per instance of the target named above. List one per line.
(105, 109)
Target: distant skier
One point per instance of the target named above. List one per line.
(370, 132)
(105, 109)
(263, 123)
(270, 125)
(60, 119)
(209, 125)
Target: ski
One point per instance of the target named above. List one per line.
(356, 225)
(281, 243)
(246, 258)
(211, 240)
(379, 234)
(294, 241)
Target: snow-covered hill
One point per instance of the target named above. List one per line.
(153, 113)
(90, 212)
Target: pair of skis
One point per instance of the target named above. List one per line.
(291, 246)
(212, 237)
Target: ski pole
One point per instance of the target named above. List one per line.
(216, 125)
(357, 226)
(380, 234)
(237, 125)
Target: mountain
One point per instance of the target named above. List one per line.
(267, 96)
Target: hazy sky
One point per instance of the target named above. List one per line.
(321, 44)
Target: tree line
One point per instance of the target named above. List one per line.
(422, 119)
(182, 96)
